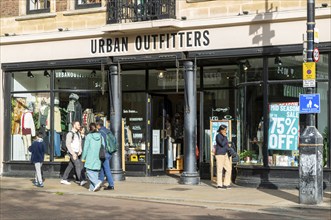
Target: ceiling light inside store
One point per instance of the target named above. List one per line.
(30, 75)
(46, 73)
(246, 65)
(161, 73)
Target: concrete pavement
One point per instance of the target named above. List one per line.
(205, 194)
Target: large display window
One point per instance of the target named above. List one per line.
(36, 107)
(134, 122)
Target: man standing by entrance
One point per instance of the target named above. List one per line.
(105, 168)
(74, 146)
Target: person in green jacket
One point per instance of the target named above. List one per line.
(93, 142)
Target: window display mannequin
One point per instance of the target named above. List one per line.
(178, 129)
(28, 130)
(259, 134)
(169, 140)
(74, 110)
(17, 115)
(88, 118)
(57, 127)
(43, 113)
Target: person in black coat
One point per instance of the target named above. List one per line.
(223, 161)
(37, 150)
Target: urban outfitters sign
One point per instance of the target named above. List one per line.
(151, 42)
(284, 126)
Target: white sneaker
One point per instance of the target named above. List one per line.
(97, 186)
(65, 182)
(83, 182)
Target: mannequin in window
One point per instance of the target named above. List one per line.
(74, 110)
(259, 134)
(88, 118)
(57, 127)
(17, 115)
(169, 140)
(43, 113)
(28, 130)
(178, 130)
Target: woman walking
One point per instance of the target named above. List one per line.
(92, 145)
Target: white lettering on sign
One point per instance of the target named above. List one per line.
(129, 111)
(284, 126)
(136, 119)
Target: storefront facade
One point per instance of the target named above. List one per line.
(247, 73)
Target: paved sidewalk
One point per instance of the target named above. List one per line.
(206, 195)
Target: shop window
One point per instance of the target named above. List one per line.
(81, 79)
(250, 70)
(285, 122)
(285, 67)
(134, 122)
(29, 115)
(80, 4)
(220, 76)
(250, 126)
(38, 6)
(85, 107)
(133, 80)
(30, 81)
(163, 79)
(219, 105)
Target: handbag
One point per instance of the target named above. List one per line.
(102, 152)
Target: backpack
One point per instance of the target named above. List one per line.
(64, 140)
(111, 143)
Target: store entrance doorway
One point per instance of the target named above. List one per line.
(167, 132)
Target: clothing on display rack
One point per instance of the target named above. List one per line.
(74, 110)
(42, 119)
(88, 118)
(28, 130)
(57, 128)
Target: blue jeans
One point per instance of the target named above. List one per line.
(93, 177)
(105, 170)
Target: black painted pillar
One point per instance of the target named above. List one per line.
(311, 141)
(115, 102)
(190, 175)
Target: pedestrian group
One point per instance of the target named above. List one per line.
(84, 153)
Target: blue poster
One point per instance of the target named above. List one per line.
(214, 125)
(283, 126)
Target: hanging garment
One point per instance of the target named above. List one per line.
(27, 124)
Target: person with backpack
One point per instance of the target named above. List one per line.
(105, 168)
(74, 148)
(91, 156)
(37, 150)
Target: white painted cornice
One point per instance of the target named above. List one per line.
(167, 25)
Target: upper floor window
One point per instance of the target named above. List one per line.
(80, 4)
(38, 6)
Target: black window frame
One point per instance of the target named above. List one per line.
(38, 11)
(86, 5)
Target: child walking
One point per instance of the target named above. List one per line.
(37, 150)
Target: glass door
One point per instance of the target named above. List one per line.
(158, 119)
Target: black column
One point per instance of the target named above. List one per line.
(115, 102)
(190, 174)
(311, 141)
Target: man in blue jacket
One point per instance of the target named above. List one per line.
(105, 168)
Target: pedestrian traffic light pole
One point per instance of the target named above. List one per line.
(311, 141)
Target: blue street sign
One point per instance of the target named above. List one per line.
(309, 103)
